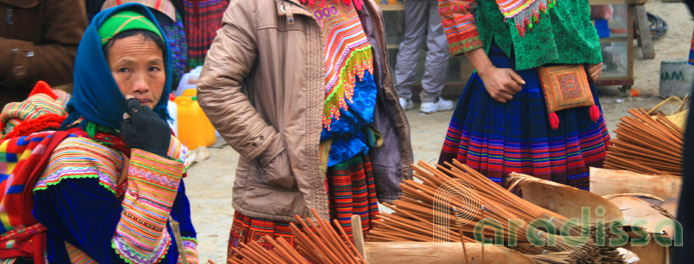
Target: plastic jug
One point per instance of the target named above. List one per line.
(194, 128)
(190, 92)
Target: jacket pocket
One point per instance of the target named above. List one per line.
(274, 167)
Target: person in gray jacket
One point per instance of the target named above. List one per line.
(422, 19)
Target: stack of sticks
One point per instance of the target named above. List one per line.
(647, 146)
(476, 198)
(316, 242)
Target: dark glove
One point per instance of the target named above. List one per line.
(145, 130)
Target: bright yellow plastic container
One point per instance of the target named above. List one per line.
(194, 128)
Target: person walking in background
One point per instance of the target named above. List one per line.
(38, 41)
(306, 98)
(501, 123)
(422, 24)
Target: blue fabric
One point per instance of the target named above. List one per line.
(348, 133)
(85, 214)
(95, 95)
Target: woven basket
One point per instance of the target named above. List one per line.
(679, 116)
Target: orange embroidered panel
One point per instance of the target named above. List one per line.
(565, 86)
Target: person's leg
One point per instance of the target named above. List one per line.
(436, 64)
(406, 63)
(437, 56)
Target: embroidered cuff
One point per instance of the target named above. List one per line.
(178, 151)
(459, 26)
(460, 47)
(135, 252)
(141, 235)
(191, 246)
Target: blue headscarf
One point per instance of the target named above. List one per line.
(95, 95)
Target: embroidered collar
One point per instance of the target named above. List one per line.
(524, 12)
(348, 54)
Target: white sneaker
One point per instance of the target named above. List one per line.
(406, 104)
(438, 105)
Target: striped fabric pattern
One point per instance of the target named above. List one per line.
(351, 189)
(459, 26)
(78, 256)
(348, 54)
(37, 105)
(512, 7)
(153, 181)
(560, 156)
(245, 229)
(191, 246)
(80, 157)
(13, 153)
(524, 13)
(202, 19)
(141, 235)
(178, 151)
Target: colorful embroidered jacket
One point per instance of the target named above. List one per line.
(350, 90)
(91, 218)
(534, 32)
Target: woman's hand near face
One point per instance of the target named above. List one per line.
(143, 129)
(501, 83)
(594, 71)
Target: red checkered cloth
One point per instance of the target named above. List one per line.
(202, 19)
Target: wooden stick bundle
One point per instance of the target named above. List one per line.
(413, 219)
(646, 146)
(413, 216)
(316, 242)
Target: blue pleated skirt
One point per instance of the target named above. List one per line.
(499, 138)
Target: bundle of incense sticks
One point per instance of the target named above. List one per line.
(316, 242)
(424, 213)
(645, 145)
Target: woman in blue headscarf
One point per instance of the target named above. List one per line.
(110, 190)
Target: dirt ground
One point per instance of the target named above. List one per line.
(209, 182)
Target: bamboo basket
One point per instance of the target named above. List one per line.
(679, 116)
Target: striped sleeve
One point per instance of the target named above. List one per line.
(459, 25)
(178, 151)
(191, 246)
(141, 235)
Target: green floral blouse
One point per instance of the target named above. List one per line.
(563, 34)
